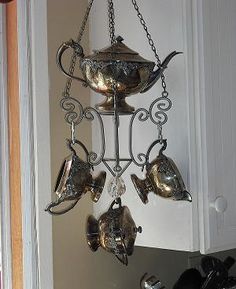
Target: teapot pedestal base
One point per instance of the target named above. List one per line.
(108, 105)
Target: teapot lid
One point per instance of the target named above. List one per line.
(117, 48)
(117, 52)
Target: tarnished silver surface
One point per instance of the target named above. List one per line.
(162, 178)
(115, 231)
(74, 180)
(116, 65)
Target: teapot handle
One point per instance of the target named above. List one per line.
(60, 212)
(70, 143)
(158, 141)
(123, 258)
(78, 51)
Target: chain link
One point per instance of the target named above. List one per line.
(66, 92)
(111, 17)
(152, 45)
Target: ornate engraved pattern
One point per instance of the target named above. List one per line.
(165, 168)
(117, 66)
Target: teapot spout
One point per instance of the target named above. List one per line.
(186, 197)
(155, 75)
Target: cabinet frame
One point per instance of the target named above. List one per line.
(35, 147)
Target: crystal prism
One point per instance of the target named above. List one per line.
(116, 187)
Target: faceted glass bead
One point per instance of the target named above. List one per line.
(116, 187)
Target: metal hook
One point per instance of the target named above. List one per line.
(164, 146)
(117, 201)
(70, 143)
(160, 136)
(73, 132)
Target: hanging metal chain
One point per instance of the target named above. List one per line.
(152, 45)
(163, 81)
(111, 18)
(66, 92)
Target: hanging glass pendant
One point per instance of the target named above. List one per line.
(116, 187)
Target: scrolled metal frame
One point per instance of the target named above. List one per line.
(156, 113)
(74, 114)
(158, 117)
(141, 160)
(73, 110)
(163, 104)
(93, 158)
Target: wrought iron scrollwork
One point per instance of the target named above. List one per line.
(74, 114)
(143, 115)
(73, 108)
(157, 113)
(159, 116)
(93, 158)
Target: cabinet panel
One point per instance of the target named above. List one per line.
(218, 138)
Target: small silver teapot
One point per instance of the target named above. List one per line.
(162, 178)
(73, 181)
(115, 231)
(118, 68)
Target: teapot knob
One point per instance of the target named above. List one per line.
(119, 38)
(220, 204)
(138, 230)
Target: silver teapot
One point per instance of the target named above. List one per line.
(115, 232)
(115, 71)
(162, 178)
(73, 181)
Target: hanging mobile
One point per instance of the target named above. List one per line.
(115, 72)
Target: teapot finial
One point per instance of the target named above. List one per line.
(119, 39)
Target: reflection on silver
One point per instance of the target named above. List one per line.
(118, 66)
(162, 178)
(74, 180)
(115, 231)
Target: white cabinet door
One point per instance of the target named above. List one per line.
(216, 26)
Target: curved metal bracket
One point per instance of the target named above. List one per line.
(157, 113)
